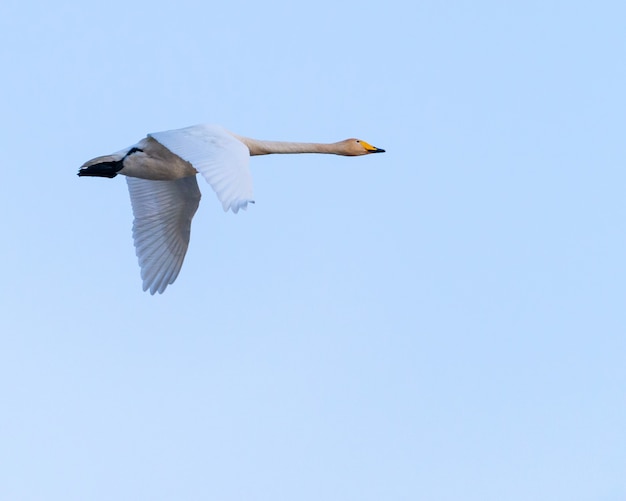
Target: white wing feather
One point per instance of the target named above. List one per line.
(163, 211)
(218, 156)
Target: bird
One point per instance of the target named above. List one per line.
(161, 173)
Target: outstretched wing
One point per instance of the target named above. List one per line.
(220, 158)
(163, 212)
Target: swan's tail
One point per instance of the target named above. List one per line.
(107, 166)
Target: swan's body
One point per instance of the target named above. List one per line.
(161, 174)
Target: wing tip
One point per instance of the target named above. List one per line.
(236, 205)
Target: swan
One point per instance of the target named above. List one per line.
(161, 174)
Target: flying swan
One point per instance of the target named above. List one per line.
(161, 174)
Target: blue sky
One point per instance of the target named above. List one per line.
(444, 321)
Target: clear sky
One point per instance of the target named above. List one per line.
(444, 321)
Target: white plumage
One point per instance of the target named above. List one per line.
(161, 174)
(220, 158)
(163, 212)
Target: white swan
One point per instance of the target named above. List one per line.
(164, 194)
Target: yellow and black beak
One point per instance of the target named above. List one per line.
(371, 149)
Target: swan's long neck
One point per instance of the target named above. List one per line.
(258, 147)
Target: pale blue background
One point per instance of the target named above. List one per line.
(445, 321)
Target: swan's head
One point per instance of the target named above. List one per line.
(355, 147)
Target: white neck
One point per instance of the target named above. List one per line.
(258, 147)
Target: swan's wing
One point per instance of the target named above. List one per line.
(163, 211)
(218, 156)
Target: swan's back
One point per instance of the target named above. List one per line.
(218, 156)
